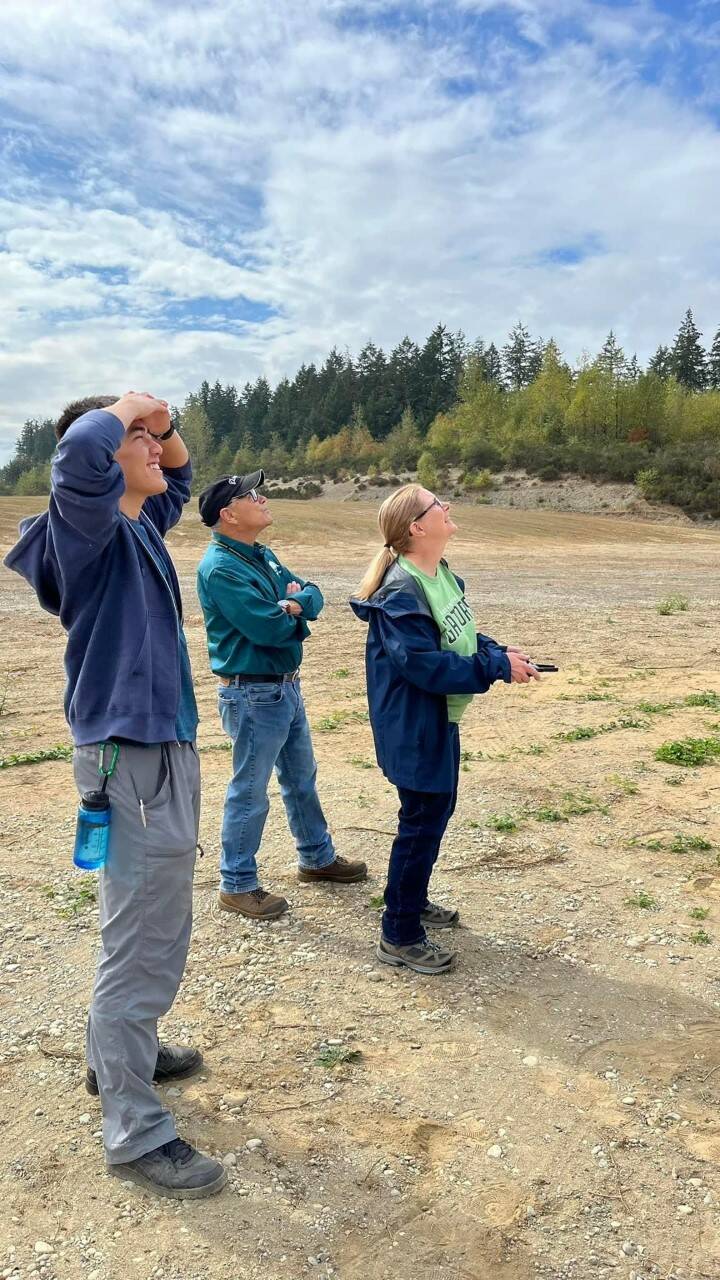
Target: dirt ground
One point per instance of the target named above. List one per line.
(550, 1109)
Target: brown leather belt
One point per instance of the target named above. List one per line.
(281, 678)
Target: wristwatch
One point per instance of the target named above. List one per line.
(166, 434)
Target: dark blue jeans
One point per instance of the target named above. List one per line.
(422, 820)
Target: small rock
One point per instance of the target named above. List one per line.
(530, 1061)
(230, 1160)
(635, 944)
(374, 976)
(495, 1153)
(84, 1118)
(253, 1144)
(628, 1247)
(174, 1092)
(629, 1101)
(684, 1210)
(42, 1247)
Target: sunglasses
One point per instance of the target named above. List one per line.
(252, 494)
(435, 503)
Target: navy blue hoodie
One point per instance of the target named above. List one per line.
(409, 677)
(89, 566)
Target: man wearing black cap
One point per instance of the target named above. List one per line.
(256, 615)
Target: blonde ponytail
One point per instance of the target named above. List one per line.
(375, 574)
(394, 518)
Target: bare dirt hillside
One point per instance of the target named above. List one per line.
(550, 1109)
(516, 490)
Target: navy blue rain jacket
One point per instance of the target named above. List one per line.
(409, 677)
(87, 564)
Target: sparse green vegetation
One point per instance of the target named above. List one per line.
(58, 752)
(361, 762)
(377, 902)
(641, 901)
(592, 696)
(699, 913)
(574, 804)
(74, 897)
(672, 604)
(337, 719)
(700, 938)
(547, 814)
(626, 785)
(589, 731)
(342, 673)
(501, 822)
(689, 752)
(690, 844)
(337, 1055)
(707, 698)
(579, 734)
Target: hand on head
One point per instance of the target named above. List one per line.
(136, 406)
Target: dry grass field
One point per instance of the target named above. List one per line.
(550, 1109)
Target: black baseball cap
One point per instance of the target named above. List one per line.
(221, 492)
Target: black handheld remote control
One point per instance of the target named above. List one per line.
(544, 666)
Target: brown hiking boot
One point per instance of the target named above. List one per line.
(341, 871)
(256, 905)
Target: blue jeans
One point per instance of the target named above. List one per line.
(269, 730)
(422, 820)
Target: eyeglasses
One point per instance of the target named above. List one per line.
(251, 493)
(435, 503)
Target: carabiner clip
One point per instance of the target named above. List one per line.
(107, 773)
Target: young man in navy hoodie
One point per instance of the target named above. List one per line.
(97, 558)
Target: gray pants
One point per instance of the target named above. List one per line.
(145, 920)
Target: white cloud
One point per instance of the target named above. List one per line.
(289, 156)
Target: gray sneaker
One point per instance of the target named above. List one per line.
(436, 917)
(175, 1170)
(422, 957)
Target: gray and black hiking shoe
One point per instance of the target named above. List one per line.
(422, 957)
(175, 1170)
(436, 917)
(174, 1062)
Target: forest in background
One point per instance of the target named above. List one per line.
(451, 403)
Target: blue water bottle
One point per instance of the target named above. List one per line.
(93, 831)
(92, 835)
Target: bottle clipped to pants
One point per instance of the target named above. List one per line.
(92, 835)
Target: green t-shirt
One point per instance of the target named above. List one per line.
(453, 616)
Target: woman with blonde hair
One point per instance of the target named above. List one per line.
(424, 662)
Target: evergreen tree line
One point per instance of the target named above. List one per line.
(454, 404)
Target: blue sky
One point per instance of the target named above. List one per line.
(224, 189)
